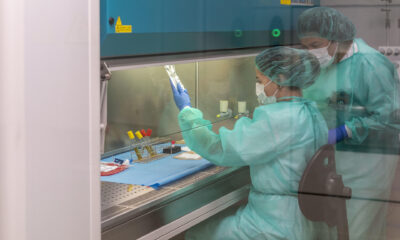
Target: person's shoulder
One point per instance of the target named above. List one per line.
(369, 57)
(287, 114)
(367, 52)
(363, 47)
(275, 106)
(278, 108)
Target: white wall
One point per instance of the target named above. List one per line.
(370, 20)
(12, 123)
(49, 124)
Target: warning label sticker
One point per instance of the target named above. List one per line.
(119, 28)
(286, 2)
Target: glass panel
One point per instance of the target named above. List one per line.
(141, 98)
(359, 97)
(231, 80)
(357, 109)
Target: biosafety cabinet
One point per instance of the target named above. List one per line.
(69, 65)
(211, 44)
(133, 28)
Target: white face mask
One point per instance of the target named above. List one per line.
(323, 56)
(262, 98)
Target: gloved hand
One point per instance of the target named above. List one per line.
(337, 134)
(181, 96)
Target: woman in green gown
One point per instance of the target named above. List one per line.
(357, 92)
(276, 144)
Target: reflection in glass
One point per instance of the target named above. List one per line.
(358, 94)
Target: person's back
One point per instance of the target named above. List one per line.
(279, 141)
(287, 120)
(275, 183)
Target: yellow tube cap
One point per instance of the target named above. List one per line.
(130, 134)
(138, 134)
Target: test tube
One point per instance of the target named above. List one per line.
(146, 139)
(148, 133)
(242, 107)
(140, 137)
(172, 145)
(223, 106)
(132, 137)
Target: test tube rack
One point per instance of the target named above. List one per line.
(146, 156)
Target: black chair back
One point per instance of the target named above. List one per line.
(322, 194)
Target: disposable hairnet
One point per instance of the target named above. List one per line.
(325, 23)
(288, 67)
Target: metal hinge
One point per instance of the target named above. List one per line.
(105, 73)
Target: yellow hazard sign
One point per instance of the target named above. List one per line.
(119, 28)
(286, 2)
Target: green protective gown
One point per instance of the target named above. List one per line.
(362, 93)
(276, 144)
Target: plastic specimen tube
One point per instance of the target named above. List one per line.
(223, 106)
(147, 142)
(170, 69)
(132, 137)
(241, 107)
(140, 136)
(148, 134)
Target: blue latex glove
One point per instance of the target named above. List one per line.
(337, 134)
(181, 96)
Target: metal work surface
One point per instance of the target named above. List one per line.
(132, 212)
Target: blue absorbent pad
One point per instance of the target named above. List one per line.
(156, 173)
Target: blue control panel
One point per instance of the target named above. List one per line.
(147, 27)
